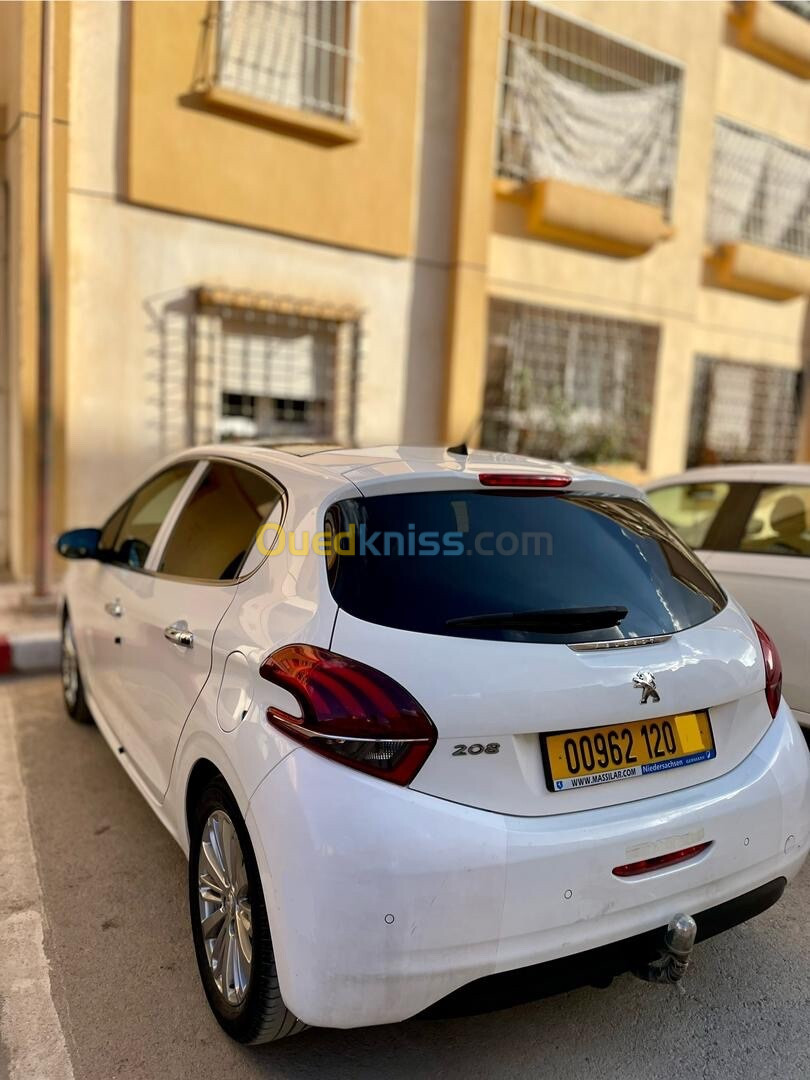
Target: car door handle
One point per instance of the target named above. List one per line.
(179, 636)
(113, 607)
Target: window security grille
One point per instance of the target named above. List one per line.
(272, 372)
(580, 105)
(742, 412)
(568, 385)
(290, 52)
(760, 190)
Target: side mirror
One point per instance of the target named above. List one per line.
(79, 544)
(133, 553)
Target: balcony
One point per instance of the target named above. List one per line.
(776, 32)
(587, 134)
(759, 215)
(286, 66)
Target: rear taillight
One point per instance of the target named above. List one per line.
(773, 669)
(350, 712)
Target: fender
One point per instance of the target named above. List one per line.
(256, 746)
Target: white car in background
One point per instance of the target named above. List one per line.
(424, 720)
(750, 524)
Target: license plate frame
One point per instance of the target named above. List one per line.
(690, 730)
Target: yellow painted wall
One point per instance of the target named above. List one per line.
(467, 343)
(666, 285)
(145, 141)
(20, 28)
(185, 157)
(19, 71)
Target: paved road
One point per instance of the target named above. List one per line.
(125, 988)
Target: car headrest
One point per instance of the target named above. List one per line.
(789, 515)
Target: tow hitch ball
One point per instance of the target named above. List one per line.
(671, 965)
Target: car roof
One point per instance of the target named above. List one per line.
(380, 468)
(788, 473)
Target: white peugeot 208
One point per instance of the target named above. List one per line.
(438, 730)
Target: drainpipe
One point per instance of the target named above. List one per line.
(44, 456)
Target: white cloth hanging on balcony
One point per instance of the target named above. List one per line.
(760, 190)
(739, 163)
(554, 128)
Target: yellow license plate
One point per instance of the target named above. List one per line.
(576, 759)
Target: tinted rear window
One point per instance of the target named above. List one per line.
(423, 559)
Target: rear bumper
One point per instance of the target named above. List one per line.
(383, 901)
(596, 967)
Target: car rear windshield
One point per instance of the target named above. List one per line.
(515, 566)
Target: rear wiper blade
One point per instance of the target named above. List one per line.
(561, 621)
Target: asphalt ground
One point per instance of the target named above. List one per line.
(117, 993)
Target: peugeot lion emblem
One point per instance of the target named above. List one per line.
(645, 680)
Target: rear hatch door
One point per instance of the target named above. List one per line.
(540, 618)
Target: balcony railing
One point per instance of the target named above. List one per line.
(581, 106)
(760, 191)
(290, 53)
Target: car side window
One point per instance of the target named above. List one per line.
(690, 509)
(129, 534)
(217, 527)
(110, 531)
(779, 523)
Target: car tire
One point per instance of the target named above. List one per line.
(250, 1009)
(72, 685)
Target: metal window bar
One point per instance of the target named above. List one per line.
(742, 412)
(296, 53)
(586, 58)
(760, 190)
(276, 371)
(568, 385)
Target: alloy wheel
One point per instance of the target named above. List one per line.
(225, 914)
(70, 667)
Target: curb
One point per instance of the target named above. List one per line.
(25, 653)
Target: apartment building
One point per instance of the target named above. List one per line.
(579, 229)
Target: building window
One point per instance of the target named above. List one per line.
(288, 52)
(760, 190)
(265, 368)
(742, 412)
(582, 106)
(567, 384)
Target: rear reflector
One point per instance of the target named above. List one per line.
(523, 480)
(647, 866)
